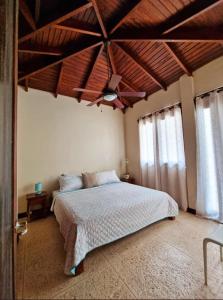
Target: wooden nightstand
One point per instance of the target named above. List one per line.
(129, 180)
(34, 200)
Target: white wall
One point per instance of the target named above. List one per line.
(62, 136)
(204, 79)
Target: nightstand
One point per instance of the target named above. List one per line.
(34, 200)
(129, 180)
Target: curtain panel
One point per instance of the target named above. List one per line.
(209, 132)
(162, 159)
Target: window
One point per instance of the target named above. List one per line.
(209, 128)
(162, 153)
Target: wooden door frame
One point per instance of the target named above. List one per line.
(8, 145)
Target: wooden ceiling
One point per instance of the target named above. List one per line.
(150, 43)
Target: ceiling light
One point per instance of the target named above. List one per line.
(110, 96)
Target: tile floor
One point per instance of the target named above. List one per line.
(163, 260)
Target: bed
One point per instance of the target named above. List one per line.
(92, 217)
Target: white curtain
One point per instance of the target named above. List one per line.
(209, 126)
(162, 157)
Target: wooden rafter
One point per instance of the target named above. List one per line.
(189, 13)
(39, 50)
(145, 70)
(112, 61)
(130, 8)
(58, 61)
(77, 29)
(56, 21)
(99, 17)
(37, 10)
(57, 91)
(177, 58)
(187, 35)
(92, 69)
(27, 14)
(26, 84)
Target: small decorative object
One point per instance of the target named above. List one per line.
(126, 175)
(38, 188)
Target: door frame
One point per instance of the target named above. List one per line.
(8, 145)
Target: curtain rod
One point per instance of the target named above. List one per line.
(219, 89)
(159, 111)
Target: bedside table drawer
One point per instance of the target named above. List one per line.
(37, 200)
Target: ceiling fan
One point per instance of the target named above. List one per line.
(110, 94)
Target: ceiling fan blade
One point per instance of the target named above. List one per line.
(95, 102)
(132, 94)
(118, 104)
(86, 91)
(113, 83)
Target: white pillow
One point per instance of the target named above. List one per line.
(70, 183)
(107, 177)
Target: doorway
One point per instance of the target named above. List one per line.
(8, 108)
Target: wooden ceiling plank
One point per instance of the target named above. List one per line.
(128, 85)
(56, 21)
(23, 7)
(77, 29)
(125, 15)
(92, 69)
(58, 61)
(146, 71)
(40, 50)
(188, 13)
(99, 17)
(112, 61)
(59, 81)
(177, 58)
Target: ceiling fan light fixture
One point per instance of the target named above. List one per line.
(110, 96)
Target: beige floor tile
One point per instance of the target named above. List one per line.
(106, 284)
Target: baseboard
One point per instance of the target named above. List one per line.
(22, 215)
(191, 210)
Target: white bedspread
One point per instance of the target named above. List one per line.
(90, 218)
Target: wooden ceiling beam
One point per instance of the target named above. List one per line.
(37, 10)
(77, 29)
(112, 61)
(92, 69)
(59, 80)
(27, 84)
(207, 35)
(59, 60)
(40, 50)
(125, 14)
(23, 7)
(56, 21)
(149, 73)
(99, 17)
(177, 58)
(188, 13)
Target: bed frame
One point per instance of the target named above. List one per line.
(80, 267)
